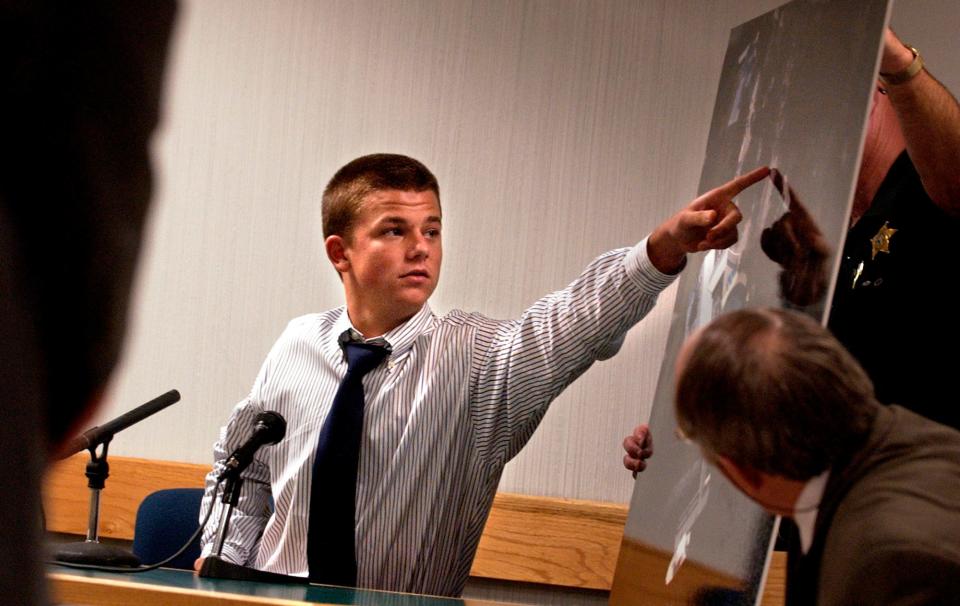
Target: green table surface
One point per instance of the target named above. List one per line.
(182, 579)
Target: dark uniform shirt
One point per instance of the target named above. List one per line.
(895, 306)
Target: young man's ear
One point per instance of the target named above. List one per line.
(337, 253)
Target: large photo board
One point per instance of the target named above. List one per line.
(795, 93)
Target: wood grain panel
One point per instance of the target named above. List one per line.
(643, 567)
(775, 589)
(553, 541)
(558, 542)
(66, 496)
(649, 588)
(530, 539)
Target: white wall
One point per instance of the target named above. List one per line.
(557, 129)
(932, 26)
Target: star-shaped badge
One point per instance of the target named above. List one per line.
(881, 241)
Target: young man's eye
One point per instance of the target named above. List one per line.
(393, 231)
(432, 233)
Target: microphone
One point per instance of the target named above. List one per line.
(268, 428)
(104, 433)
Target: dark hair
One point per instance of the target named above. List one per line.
(348, 188)
(773, 390)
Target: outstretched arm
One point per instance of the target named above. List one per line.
(930, 120)
(521, 366)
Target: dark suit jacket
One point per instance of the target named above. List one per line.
(80, 98)
(888, 527)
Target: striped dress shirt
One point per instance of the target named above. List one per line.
(458, 397)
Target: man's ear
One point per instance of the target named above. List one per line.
(746, 478)
(337, 253)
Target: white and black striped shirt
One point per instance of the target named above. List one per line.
(458, 397)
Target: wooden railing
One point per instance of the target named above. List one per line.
(560, 542)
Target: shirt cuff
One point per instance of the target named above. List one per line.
(643, 273)
(228, 554)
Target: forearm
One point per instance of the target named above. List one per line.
(665, 254)
(245, 527)
(250, 515)
(929, 118)
(521, 366)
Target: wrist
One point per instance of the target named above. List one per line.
(901, 66)
(664, 252)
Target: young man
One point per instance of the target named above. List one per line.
(453, 399)
(787, 414)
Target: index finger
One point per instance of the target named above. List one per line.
(737, 185)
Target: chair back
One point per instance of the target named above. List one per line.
(165, 520)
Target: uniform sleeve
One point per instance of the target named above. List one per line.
(520, 366)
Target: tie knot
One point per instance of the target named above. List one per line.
(363, 357)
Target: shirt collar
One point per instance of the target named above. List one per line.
(398, 340)
(807, 507)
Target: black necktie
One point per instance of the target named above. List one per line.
(330, 537)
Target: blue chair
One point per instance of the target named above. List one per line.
(165, 520)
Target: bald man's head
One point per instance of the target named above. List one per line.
(772, 390)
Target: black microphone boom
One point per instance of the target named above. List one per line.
(269, 428)
(95, 436)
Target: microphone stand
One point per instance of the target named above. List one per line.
(270, 429)
(231, 496)
(91, 551)
(215, 567)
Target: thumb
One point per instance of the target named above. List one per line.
(697, 219)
